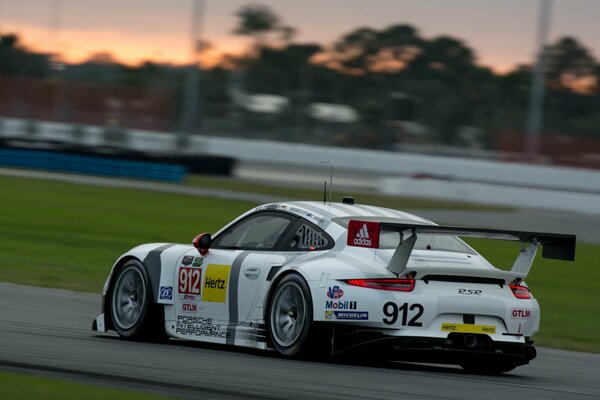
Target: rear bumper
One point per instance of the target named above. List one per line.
(457, 348)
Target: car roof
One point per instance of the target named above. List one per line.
(319, 212)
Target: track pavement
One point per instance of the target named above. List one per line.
(47, 331)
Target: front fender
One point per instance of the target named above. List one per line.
(160, 260)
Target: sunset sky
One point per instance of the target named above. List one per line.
(502, 32)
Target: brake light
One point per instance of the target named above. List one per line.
(398, 285)
(520, 292)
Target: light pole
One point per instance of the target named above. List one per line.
(190, 91)
(536, 95)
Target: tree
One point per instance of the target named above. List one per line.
(445, 53)
(280, 70)
(258, 21)
(570, 66)
(367, 50)
(15, 59)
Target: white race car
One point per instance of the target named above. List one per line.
(340, 278)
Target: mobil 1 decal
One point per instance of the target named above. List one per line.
(189, 283)
(338, 308)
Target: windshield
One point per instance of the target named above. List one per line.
(390, 239)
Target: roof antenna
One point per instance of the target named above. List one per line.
(330, 181)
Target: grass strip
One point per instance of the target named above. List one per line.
(25, 387)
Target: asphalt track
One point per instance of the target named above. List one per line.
(47, 332)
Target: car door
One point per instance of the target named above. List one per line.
(230, 276)
(202, 283)
(258, 267)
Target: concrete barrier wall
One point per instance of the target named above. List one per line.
(482, 193)
(399, 164)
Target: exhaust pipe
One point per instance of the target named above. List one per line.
(470, 341)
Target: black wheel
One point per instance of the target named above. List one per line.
(488, 368)
(133, 313)
(289, 316)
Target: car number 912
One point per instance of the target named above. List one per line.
(392, 311)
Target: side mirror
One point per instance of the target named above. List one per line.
(202, 243)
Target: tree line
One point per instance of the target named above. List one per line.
(386, 74)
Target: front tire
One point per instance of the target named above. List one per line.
(133, 312)
(290, 315)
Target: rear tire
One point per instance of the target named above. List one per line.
(133, 312)
(290, 316)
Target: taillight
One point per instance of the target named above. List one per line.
(520, 292)
(399, 285)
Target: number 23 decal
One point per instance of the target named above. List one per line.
(393, 310)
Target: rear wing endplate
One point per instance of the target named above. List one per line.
(554, 246)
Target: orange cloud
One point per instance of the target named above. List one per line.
(78, 45)
(126, 47)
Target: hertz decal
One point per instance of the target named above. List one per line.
(215, 283)
(468, 328)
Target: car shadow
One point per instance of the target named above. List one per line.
(358, 362)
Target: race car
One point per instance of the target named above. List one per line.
(305, 278)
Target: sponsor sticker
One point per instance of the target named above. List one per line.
(215, 283)
(347, 315)
(197, 262)
(187, 260)
(334, 292)
(199, 326)
(363, 234)
(468, 328)
(340, 305)
(190, 281)
(166, 293)
(316, 218)
(307, 214)
(520, 313)
(189, 307)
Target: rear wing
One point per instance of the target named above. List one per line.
(554, 246)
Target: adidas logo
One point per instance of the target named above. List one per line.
(362, 237)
